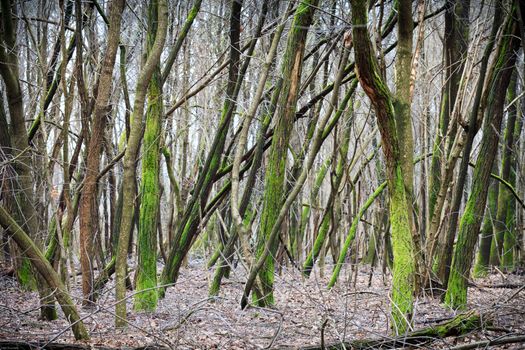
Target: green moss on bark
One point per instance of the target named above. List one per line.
(274, 191)
(404, 267)
(146, 275)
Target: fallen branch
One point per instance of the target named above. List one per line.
(459, 325)
(498, 286)
(486, 343)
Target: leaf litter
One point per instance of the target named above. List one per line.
(187, 318)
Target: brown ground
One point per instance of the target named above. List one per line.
(188, 319)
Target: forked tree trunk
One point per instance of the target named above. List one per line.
(382, 101)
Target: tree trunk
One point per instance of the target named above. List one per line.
(146, 275)
(487, 232)
(47, 273)
(88, 210)
(276, 167)
(503, 232)
(130, 159)
(456, 295)
(382, 101)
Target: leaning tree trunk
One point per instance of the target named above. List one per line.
(239, 210)
(382, 101)
(47, 273)
(188, 226)
(445, 249)
(456, 45)
(456, 295)
(339, 171)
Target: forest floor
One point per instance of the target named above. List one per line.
(188, 319)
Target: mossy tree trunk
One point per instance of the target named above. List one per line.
(470, 223)
(146, 275)
(504, 232)
(188, 226)
(446, 241)
(276, 167)
(382, 101)
(513, 240)
(46, 271)
(88, 208)
(130, 159)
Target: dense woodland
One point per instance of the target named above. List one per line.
(144, 141)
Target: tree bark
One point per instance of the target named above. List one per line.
(382, 101)
(504, 232)
(146, 275)
(276, 167)
(47, 273)
(88, 209)
(456, 295)
(130, 159)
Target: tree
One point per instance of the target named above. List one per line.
(370, 78)
(276, 167)
(188, 226)
(88, 208)
(146, 276)
(469, 226)
(130, 159)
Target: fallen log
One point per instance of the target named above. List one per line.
(42, 345)
(459, 325)
(484, 344)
